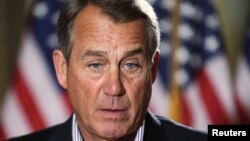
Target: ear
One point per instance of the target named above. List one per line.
(60, 65)
(154, 66)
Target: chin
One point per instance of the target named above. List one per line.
(113, 131)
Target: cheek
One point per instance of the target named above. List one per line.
(139, 92)
(82, 90)
(76, 91)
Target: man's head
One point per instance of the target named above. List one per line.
(107, 62)
(119, 10)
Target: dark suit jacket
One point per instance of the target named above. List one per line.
(156, 129)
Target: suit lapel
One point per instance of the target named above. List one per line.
(153, 129)
(63, 132)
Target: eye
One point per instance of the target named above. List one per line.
(131, 66)
(96, 66)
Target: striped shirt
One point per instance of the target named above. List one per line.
(76, 135)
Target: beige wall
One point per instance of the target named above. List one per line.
(12, 21)
(13, 16)
(2, 49)
(234, 15)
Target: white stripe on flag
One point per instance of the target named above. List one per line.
(13, 118)
(160, 98)
(218, 73)
(196, 105)
(243, 85)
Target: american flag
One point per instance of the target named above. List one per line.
(34, 99)
(159, 100)
(197, 78)
(242, 82)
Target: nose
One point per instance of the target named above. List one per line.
(114, 85)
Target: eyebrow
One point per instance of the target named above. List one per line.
(134, 52)
(103, 53)
(94, 53)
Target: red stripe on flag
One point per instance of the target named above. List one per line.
(212, 103)
(27, 102)
(242, 117)
(186, 114)
(2, 133)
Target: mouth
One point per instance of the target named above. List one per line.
(113, 113)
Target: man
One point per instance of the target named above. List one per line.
(107, 62)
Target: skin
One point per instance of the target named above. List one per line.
(108, 76)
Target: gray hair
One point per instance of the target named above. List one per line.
(119, 10)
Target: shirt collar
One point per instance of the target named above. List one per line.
(76, 135)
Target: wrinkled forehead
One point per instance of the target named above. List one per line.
(97, 29)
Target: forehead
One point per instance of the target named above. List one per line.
(93, 22)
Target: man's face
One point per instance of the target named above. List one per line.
(108, 76)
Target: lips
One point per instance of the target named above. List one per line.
(113, 113)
